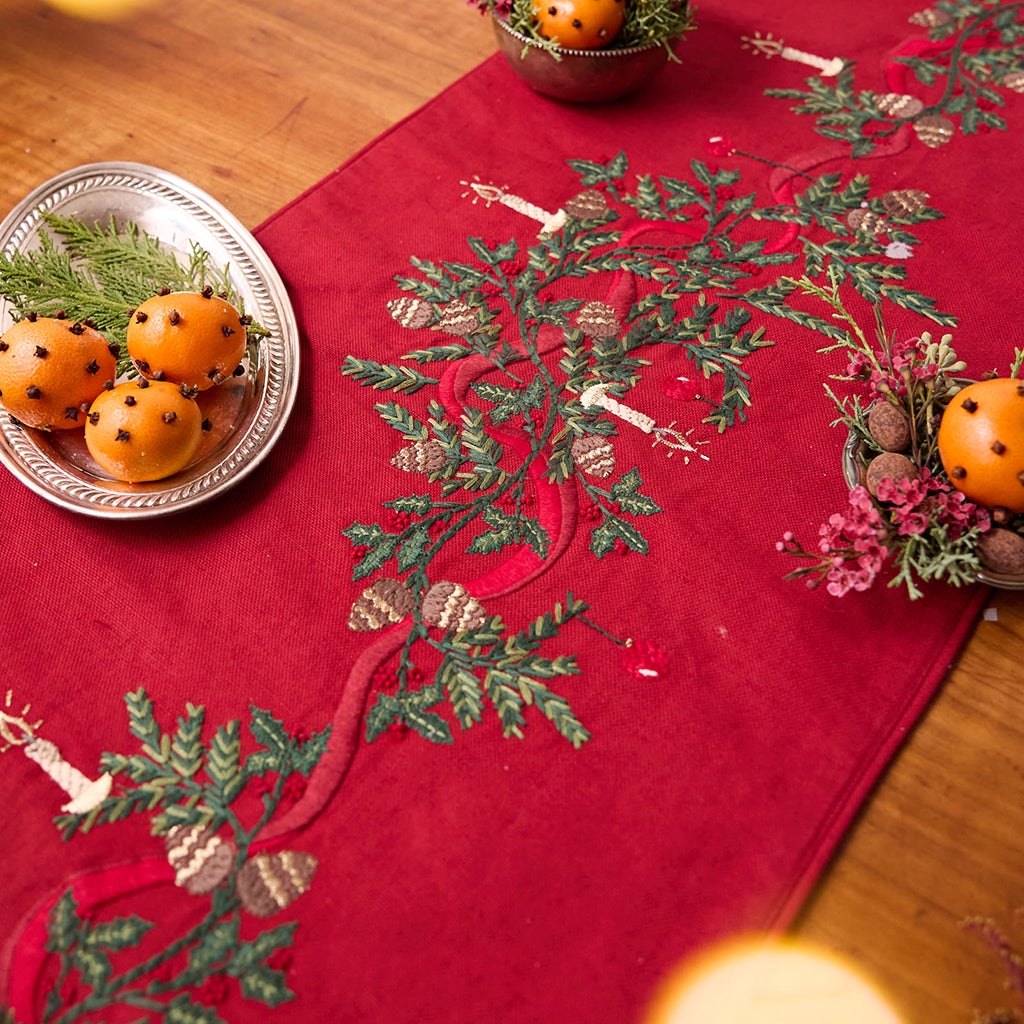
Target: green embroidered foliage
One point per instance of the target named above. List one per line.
(971, 73)
(384, 377)
(188, 783)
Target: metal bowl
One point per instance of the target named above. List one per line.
(579, 76)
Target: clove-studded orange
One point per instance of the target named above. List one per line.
(191, 338)
(51, 370)
(579, 24)
(981, 443)
(144, 430)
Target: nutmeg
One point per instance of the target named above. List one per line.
(888, 426)
(891, 465)
(1002, 551)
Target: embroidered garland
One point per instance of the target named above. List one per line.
(189, 787)
(513, 440)
(973, 47)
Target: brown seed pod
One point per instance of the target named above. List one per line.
(587, 205)
(594, 454)
(888, 426)
(1002, 550)
(904, 202)
(385, 603)
(458, 318)
(420, 457)
(888, 465)
(201, 859)
(897, 104)
(269, 882)
(934, 130)
(865, 220)
(411, 312)
(450, 606)
(598, 320)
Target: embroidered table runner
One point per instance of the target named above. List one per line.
(486, 698)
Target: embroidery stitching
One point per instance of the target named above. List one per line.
(192, 785)
(974, 46)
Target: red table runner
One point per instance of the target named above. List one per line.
(437, 717)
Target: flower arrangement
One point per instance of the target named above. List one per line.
(903, 508)
(644, 22)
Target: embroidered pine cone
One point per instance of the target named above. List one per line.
(934, 130)
(201, 859)
(897, 104)
(904, 202)
(458, 318)
(269, 882)
(593, 454)
(1014, 80)
(385, 603)
(865, 220)
(420, 457)
(598, 320)
(588, 205)
(450, 606)
(930, 18)
(411, 312)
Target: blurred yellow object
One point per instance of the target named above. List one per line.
(99, 10)
(766, 981)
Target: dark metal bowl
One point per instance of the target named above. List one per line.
(579, 76)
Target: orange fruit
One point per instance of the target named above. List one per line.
(144, 430)
(981, 443)
(51, 370)
(579, 24)
(188, 338)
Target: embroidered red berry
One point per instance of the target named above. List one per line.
(579, 24)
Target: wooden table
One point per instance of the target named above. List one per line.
(254, 102)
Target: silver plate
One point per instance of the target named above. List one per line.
(177, 213)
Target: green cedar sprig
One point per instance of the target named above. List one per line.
(99, 272)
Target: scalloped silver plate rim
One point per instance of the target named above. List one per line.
(263, 292)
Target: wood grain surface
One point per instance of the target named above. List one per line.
(254, 102)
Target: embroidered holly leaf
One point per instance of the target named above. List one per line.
(380, 547)
(603, 538)
(214, 947)
(121, 933)
(381, 716)
(186, 748)
(266, 985)
(182, 1010)
(413, 547)
(428, 724)
(496, 255)
(308, 754)
(414, 504)
(385, 377)
(223, 763)
(626, 493)
(593, 173)
(93, 966)
(63, 925)
(508, 530)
